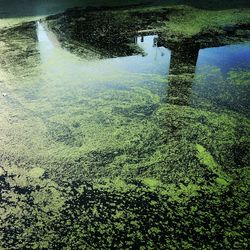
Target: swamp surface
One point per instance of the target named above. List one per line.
(118, 131)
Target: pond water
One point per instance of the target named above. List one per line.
(64, 89)
(223, 76)
(155, 61)
(84, 139)
(225, 58)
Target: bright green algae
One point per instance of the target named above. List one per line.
(108, 163)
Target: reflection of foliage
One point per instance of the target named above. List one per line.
(104, 32)
(189, 22)
(109, 30)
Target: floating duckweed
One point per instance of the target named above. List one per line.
(1, 171)
(152, 183)
(102, 162)
(36, 172)
(222, 181)
(206, 158)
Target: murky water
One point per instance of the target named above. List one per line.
(65, 89)
(84, 139)
(16, 11)
(22, 8)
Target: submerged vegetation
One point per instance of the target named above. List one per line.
(95, 157)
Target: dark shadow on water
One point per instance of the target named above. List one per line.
(25, 8)
(182, 71)
(17, 8)
(216, 5)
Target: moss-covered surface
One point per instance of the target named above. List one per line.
(189, 22)
(19, 53)
(39, 214)
(108, 161)
(123, 178)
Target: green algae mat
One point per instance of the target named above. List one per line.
(126, 129)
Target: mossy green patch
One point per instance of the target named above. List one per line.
(221, 181)
(36, 172)
(206, 158)
(1, 171)
(191, 21)
(151, 183)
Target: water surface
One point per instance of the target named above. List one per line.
(97, 148)
(66, 89)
